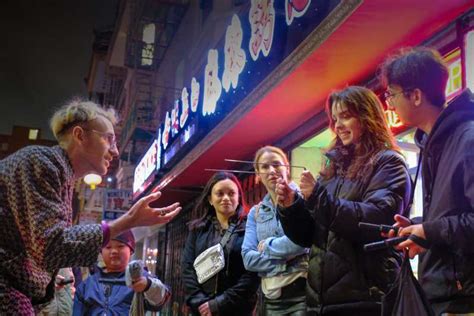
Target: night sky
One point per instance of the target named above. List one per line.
(44, 58)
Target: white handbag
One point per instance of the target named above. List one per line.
(209, 263)
(212, 260)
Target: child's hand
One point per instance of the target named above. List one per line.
(139, 285)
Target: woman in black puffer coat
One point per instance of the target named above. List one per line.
(365, 180)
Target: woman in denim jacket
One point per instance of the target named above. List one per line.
(281, 264)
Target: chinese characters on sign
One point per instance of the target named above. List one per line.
(229, 76)
(116, 203)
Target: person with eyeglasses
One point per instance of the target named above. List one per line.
(281, 264)
(36, 193)
(109, 137)
(416, 80)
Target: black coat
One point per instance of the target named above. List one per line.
(446, 270)
(342, 277)
(233, 290)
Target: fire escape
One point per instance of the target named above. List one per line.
(153, 24)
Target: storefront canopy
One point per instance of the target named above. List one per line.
(349, 55)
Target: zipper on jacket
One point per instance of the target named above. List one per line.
(107, 292)
(339, 186)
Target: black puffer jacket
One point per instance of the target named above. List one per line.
(342, 277)
(446, 270)
(233, 290)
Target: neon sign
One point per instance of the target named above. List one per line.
(194, 94)
(145, 168)
(185, 107)
(212, 83)
(158, 151)
(393, 120)
(234, 55)
(175, 118)
(295, 9)
(229, 75)
(165, 138)
(262, 21)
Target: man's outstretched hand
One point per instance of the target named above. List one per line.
(142, 214)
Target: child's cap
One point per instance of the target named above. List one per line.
(127, 238)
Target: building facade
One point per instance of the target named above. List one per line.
(199, 82)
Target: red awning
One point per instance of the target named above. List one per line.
(351, 54)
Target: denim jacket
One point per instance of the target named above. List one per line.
(280, 255)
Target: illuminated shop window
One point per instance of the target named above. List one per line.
(311, 154)
(411, 153)
(454, 85)
(469, 53)
(148, 44)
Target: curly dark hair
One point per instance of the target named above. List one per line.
(376, 136)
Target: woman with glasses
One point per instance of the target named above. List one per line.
(281, 264)
(230, 290)
(365, 180)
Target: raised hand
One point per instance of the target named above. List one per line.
(139, 285)
(413, 248)
(142, 214)
(307, 183)
(285, 195)
(400, 221)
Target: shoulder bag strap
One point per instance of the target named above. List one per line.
(228, 233)
(412, 193)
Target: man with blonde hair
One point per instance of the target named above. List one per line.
(36, 189)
